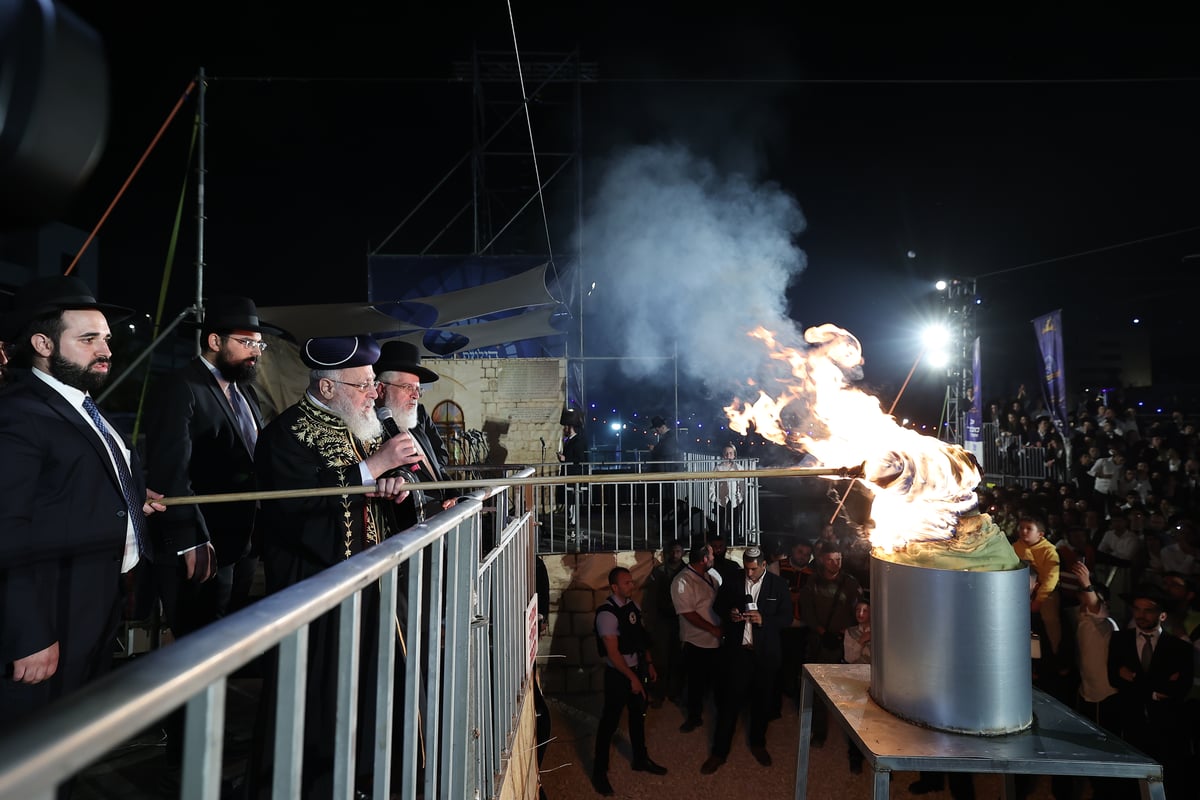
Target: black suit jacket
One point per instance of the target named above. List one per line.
(1170, 671)
(775, 605)
(194, 446)
(405, 514)
(575, 453)
(63, 523)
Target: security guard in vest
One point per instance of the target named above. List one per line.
(624, 644)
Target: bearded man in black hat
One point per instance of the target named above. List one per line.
(401, 375)
(202, 426)
(330, 438)
(72, 518)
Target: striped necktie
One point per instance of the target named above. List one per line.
(241, 413)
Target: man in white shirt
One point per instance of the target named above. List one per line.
(693, 593)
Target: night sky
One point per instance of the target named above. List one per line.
(915, 149)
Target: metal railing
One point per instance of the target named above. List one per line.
(1005, 460)
(645, 514)
(466, 632)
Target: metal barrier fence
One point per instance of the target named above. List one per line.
(645, 514)
(465, 630)
(1005, 460)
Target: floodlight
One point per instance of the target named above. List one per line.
(935, 336)
(940, 286)
(937, 358)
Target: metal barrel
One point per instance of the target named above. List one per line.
(950, 649)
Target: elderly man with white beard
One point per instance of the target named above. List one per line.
(400, 376)
(331, 437)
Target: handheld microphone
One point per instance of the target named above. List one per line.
(389, 424)
(390, 429)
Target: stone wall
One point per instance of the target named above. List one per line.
(578, 585)
(516, 402)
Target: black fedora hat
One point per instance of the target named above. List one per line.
(45, 296)
(401, 356)
(231, 313)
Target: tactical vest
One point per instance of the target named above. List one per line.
(631, 635)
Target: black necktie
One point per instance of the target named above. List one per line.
(133, 503)
(1147, 651)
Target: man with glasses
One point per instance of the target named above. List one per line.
(400, 375)
(330, 438)
(202, 426)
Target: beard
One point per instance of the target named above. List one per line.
(236, 371)
(81, 378)
(362, 422)
(406, 420)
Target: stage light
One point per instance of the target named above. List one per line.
(938, 359)
(616, 426)
(940, 286)
(935, 336)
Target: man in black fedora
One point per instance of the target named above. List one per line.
(400, 375)
(72, 518)
(202, 426)
(573, 455)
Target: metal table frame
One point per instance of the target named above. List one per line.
(1060, 742)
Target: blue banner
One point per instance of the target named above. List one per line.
(1048, 329)
(973, 436)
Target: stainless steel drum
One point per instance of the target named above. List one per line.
(950, 649)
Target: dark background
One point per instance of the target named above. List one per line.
(917, 148)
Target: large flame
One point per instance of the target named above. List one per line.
(919, 485)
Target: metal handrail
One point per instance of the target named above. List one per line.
(54, 745)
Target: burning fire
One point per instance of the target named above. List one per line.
(919, 485)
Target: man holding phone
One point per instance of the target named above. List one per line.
(754, 608)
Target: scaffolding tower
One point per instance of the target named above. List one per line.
(960, 302)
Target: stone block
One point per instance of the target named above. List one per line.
(589, 656)
(577, 601)
(567, 647)
(583, 624)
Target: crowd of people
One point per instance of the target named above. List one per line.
(1114, 557)
(1111, 536)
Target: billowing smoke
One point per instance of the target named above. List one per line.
(683, 254)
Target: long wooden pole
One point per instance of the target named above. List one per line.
(549, 480)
